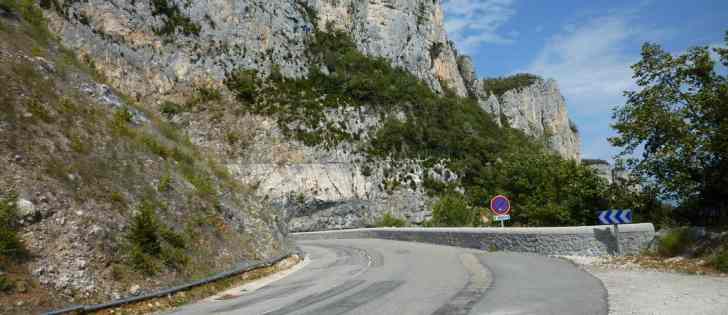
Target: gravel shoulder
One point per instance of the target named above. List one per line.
(636, 290)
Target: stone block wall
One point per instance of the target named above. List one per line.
(582, 240)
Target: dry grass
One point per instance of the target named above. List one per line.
(201, 292)
(697, 266)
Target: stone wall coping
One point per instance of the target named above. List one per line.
(623, 228)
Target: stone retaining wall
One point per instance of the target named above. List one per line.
(582, 240)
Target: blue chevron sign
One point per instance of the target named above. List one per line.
(615, 216)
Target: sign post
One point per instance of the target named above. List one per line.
(616, 217)
(501, 207)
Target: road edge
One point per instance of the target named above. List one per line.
(181, 289)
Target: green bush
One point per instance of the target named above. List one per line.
(39, 111)
(500, 85)
(142, 261)
(5, 284)
(31, 14)
(388, 220)
(165, 182)
(144, 230)
(174, 20)
(154, 146)
(170, 109)
(120, 122)
(152, 243)
(720, 260)
(453, 210)
(205, 94)
(675, 242)
(10, 244)
(243, 83)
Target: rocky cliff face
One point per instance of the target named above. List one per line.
(539, 110)
(130, 42)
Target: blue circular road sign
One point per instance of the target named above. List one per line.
(500, 205)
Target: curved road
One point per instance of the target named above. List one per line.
(369, 276)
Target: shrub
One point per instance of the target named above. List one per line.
(117, 198)
(120, 122)
(143, 262)
(453, 210)
(205, 94)
(675, 242)
(170, 108)
(165, 182)
(10, 244)
(39, 111)
(243, 84)
(174, 20)
(144, 230)
(499, 86)
(720, 260)
(232, 137)
(154, 146)
(388, 220)
(152, 243)
(5, 284)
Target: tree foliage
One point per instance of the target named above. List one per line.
(678, 119)
(498, 86)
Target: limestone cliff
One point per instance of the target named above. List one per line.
(164, 50)
(539, 110)
(139, 50)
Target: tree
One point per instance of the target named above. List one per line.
(679, 118)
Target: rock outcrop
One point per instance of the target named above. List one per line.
(539, 110)
(609, 172)
(130, 42)
(126, 40)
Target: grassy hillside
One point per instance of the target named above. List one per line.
(98, 195)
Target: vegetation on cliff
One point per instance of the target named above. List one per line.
(417, 123)
(498, 86)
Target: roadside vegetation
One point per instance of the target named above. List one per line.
(678, 119)
(388, 220)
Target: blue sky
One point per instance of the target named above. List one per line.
(587, 46)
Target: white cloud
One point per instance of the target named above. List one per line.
(592, 66)
(471, 23)
(588, 60)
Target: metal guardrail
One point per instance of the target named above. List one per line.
(244, 267)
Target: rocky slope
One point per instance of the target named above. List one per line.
(81, 163)
(165, 50)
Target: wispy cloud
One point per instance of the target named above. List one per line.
(591, 61)
(471, 23)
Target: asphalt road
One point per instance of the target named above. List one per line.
(391, 277)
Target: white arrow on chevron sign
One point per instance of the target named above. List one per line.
(603, 217)
(613, 216)
(625, 216)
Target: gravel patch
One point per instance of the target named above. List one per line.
(634, 290)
